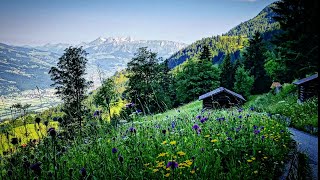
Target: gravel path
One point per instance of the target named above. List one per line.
(309, 145)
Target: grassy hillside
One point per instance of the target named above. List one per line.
(181, 143)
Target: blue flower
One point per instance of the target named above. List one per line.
(256, 131)
(114, 150)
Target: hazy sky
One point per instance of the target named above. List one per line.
(37, 22)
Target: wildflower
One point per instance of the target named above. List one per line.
(46, 123)
(83, 172)
(192, 171)
(173, 142)
(164, 142)
(172, 164)
(130, 105)
(36, 168)
(132, 130)
(229, 138)
(253, 158)
(198, 117)
(24, 145)
(255, 172)
(114, 150)
(173, 125)
(155, 170)
(239, 110)
(181, 153)
(249, 160)
(120, 158)
(37, 120)
(167, 175)
(256, 131)
(262, 138)
(162, 154)
(251, 108)
(164, 131)
(262, 127)
(96, 113)
(282, 131)
(255, 127)
(207, 136)
(138, 111)
(195, 127)
(52, 132)
(214, 140)
(55, 119)
(203, 120)
(240, 117)
(265, 157)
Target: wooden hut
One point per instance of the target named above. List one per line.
(221, 98)
(307, 87)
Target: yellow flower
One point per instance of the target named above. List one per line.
(253, 158)
(265, 157)
(173, 142)
(249, 160)
(181, 153)
(259, 151)
(164, 142)
(162, 154)
(155, 170)
(147, 164)
(193, 171)
(218, 134)
(214, 140)
(255, 172)
(188, 163)
(168, 169)
(207, 136)
(167, 175)
(174, 157)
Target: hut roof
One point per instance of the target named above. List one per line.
(304, 80)
(275, 84)
(220, 90)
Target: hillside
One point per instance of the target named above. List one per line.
(24, 68)
(233, 41)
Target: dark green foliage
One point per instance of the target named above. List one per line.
(205, 54)
(106, 94)
(227, 73)
(254, 60)
(217, 45)
(147, 83)
(243, 82)
(196, 78)
(297, 47)
(69, 81)
(263, 23)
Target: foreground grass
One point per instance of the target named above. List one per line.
(229, 144)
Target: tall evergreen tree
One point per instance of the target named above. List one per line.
(227, 73)
(254, 59)
(205, 54)
(297, 47)
(70, 83)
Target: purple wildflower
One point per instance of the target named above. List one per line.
(262, 127)
(114, 150)
(240, 116)
(255, 127)
(96, 113)
(282, 131)
(262, 137)
(132, 130)
(83, 172)
(52, 132)
(251, 108)
(256, 131)
(172, 164)
(130, 105)
(198, 117)
(229, 138)
(239, 110)
(195, 127)
(36, 168)
(164, 131)
(138, 111)
(173, 125)
(203, 120)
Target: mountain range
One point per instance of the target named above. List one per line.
(24, 68)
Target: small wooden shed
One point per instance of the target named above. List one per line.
(307, 87)
(221, 98)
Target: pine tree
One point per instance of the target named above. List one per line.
(70, 83)
(227, 73)
(254, 60)
(205, 54)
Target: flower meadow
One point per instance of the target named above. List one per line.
(186, 144)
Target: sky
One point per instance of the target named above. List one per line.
(37, 22)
